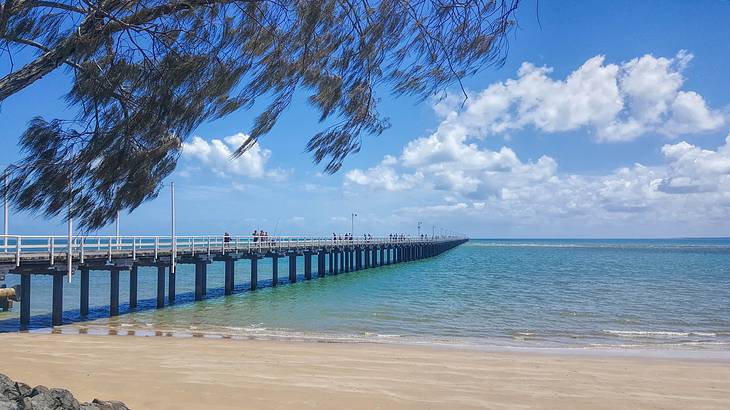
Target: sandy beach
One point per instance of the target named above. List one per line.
(175, 373)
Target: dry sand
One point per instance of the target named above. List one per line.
(188, 373)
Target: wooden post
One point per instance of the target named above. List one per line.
(200, 269)
(84, 302)
(133, 287)
(114, 292)
(57, 310)
(292, 268)
(171, 276)
(274, 270)
(331, 262)
(336, 253)
(160, 286)
(24, 300)
(320, 264)
(254, 271)
(205, 280)
(307, 265)
(229, 278)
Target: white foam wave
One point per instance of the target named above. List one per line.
(693, 247)
(664, 334)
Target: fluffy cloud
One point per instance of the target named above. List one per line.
(695, 170)
(692, 183)
(217, 155)
(615, 102)
(384, 176)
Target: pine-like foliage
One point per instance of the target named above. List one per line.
(146, 73)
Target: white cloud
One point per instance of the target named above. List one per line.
(451, 171)
(693, 184)
(615, 102)
(384, 177)
(217, 155)
(695, 170)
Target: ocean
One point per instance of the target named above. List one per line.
(487, 292)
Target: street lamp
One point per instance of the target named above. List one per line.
(5, 212)
(173, 239)
(419, 229)
(352, 224)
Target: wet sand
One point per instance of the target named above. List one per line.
(189, 373)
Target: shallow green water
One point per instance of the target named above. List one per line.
(487, 292)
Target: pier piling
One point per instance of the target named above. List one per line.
(133, 287)
(160, 286)
(24, 300)
(320, 264)
(171, 283)
(307, 265)
(200, 273)
(57, 306)
(274, 270)
(254, 271)
(292, 267)
(84, 293)
(228, 280)
(114, 292)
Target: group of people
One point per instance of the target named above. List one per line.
(260, 236)
(263, 236)
(346, 237)
(397, 237)
(367, 237)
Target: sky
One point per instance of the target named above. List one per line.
(608, 119)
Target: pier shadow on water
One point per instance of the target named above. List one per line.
(42, 321)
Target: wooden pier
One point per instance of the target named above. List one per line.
(61, 258)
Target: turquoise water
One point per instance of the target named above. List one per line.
(629, 293)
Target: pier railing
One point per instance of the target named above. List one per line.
(79, 247)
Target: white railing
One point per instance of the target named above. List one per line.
(16, 247)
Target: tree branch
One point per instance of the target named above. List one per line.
(87, 32)
(40, 47)
(50, 4)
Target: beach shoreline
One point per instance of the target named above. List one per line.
(668, 351)
(204, 372)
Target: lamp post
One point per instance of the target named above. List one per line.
(419, 229)
(352, 224)
(5, 212)
(69, 257)
(173, 240)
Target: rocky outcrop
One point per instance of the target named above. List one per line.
(20, 396)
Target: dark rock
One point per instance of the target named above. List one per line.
(23, 389)
(104, 405)
(40, 389)
(26, 404)
(8, 404)
(7, 387)
(53, 399)
(19, 396)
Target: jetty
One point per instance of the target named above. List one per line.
(62, 256)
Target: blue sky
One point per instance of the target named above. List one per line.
(609, 119)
